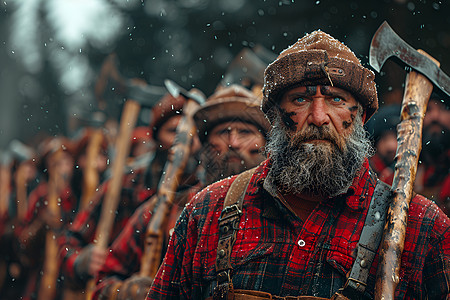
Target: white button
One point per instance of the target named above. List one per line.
(301, 243)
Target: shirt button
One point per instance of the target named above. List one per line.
(301, 243)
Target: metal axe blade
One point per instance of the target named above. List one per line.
(145, 95)
(386, 43)
(175, 90)
(246, 65)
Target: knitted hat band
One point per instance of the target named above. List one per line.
(313, 67)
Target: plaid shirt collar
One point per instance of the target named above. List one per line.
(354, 197)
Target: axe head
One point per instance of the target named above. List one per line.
(20, 151)
(386, 43)
(175, 90)
(246, 69)
(145, 95)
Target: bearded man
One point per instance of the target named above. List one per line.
(294, 227)
(232, 131)
(81, 259)
(433, 174)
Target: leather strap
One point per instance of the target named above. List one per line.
(367, 247)
(258, 295)
(228, 226)
(369, 241)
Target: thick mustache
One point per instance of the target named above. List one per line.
(314, 133)
(436, 123)
(232, 154)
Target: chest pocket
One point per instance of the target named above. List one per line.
(339, 261)
(244, 247)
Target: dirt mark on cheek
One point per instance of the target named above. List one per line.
(353, 111)
(287, 120)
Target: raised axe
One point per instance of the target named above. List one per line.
(21, 153)
(424, 73)
(247, 69)
(137, 95)
(50, 268)
(91, 178)
(176, 162)
(5, 181)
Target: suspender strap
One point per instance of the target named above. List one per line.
(369, 241)
(367, 247)
(228, 226)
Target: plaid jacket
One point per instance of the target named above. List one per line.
(384, 172)
(33, 246)
(82, 231)
(277, 253)
(126, 251)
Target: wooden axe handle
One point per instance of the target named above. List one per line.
(418, 90)
(21, 193)
(167, 187)
(5, 188)
(90, 173)
(50, 272)
(111, 201)
(112, 196)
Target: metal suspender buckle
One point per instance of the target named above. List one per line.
(355, 284)
(228, 221)
(229, 212)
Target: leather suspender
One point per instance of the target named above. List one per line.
(228, 226)
(369, 241)
(367, 246)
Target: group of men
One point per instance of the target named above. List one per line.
(272, 203)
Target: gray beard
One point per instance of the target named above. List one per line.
(324, 169)
(217, 168)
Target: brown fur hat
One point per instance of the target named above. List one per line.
(318, 58)
(230, 103)
(166, 108)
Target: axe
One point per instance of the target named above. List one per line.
(164, 198)
(418, 87)
(246, 69)
(21, 153)
(5, 182)
(90, 174)
(50, 269)
(137, 95)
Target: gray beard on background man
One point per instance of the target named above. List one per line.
(217, 167)
(316, 169)
(436, 143)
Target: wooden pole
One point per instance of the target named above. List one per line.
(409, 137)
(168, 184)
(112, 196)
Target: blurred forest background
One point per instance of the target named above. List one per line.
(51, 51)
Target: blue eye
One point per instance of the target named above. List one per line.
(337, 99)
(299, 100)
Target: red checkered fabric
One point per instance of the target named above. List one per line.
(276, 252)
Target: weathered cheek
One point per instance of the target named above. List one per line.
(347, 123)
(286, 117)
(353, 109)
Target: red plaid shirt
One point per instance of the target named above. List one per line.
(125, 254)
(277, 253)
(385, 173)
(82, 231)
(34, 245)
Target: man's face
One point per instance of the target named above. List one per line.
(387, 146)
(437, 117)
(100, 162)
(318, 142)
(166, 133)
(436, 126)
(61, 166)
(321, 106)
(232, 148)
